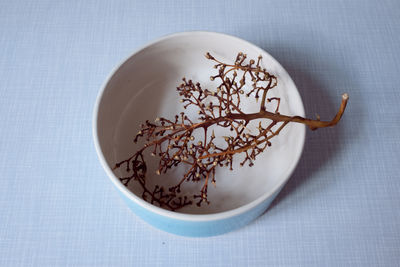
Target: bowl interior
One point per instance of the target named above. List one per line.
(144, 87)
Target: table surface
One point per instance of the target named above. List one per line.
(57, 207)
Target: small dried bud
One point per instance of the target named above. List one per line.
(153, 154)
(192, 138)
(158, 172)
(177, 158)
(209, 56)
(212, 78)
(157, 119)
(241, 92)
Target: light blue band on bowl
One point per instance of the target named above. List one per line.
(199, 228)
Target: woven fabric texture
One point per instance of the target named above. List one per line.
(58, 208)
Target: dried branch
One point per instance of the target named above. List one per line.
(173, 142)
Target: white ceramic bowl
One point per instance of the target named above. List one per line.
(143, 87)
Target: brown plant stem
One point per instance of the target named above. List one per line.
(173, 141)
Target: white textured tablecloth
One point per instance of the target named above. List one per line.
(58, 208)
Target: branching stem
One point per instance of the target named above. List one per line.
(172, 140)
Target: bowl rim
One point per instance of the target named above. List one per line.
(178, 215)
